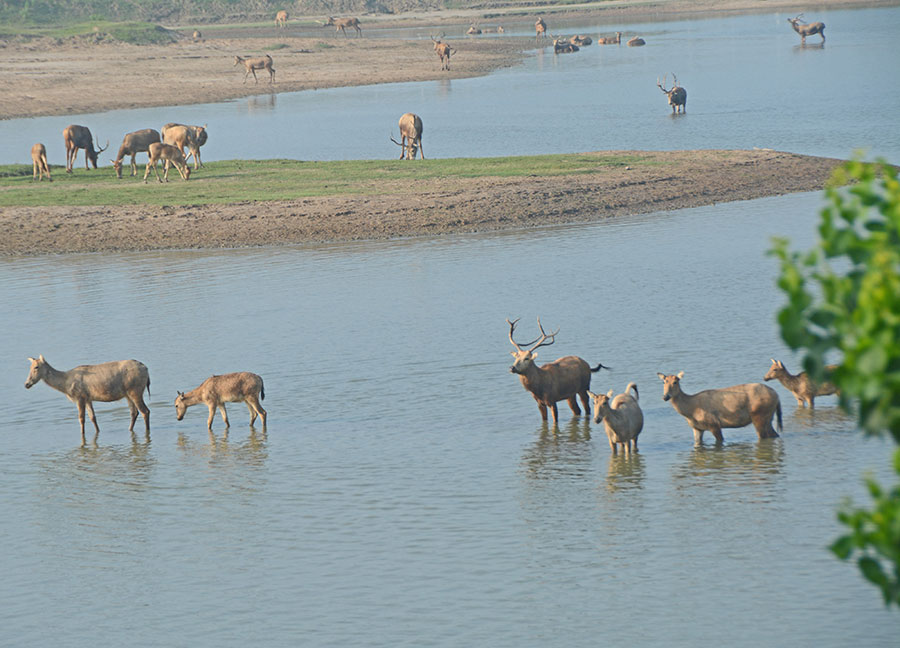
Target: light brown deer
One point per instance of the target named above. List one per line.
(563, 379)
(39, 165)
(805, 29)
(110, 381)
(540, 29)
(132, 144)
(473, 29)
(729, 407)
(171, 155)
(410, 136)
(581, 41)
(610, 40)
(251, 65)
(281, 19)
(443, 51)
(622, 417)
(79, 137)
(215, 391)
(341, 24)
(197, 36)
(636, 41)
(677, 95)
(801, 385)
(184, 136)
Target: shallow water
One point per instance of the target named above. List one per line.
(749, 82)
(405, 491)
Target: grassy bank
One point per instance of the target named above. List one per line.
(236, 181)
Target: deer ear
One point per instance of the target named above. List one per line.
(661, 376)
(41, 358)
(533, 355)
(591, 394)
(680, 375)
(32, 360)
(609, 394)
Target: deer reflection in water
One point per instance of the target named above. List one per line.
(563, 451)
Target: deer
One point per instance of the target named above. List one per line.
(172, 156)
(563, 379)
(610, 40)
(107, 382)
(636, 41)
(197, 36)
(728, 407)
(805, 29)
(622, 417)
(281, 19)
(132, 144)
(251, 65)
(563, 46)
(443, 51)
(215, 391)
(341, 24)
(677, 95)
(182, 135)
(581, 41)
(540, 29)
(410, 136)
(39, 164)
(473, 29)
(79, 137)
(801, 385)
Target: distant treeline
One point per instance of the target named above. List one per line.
(175, 12)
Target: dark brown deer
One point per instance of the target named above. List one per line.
(636, 41)
(79, 137)
(443, 51)
(410, 136)
(563, 379)
(132, 144)
(341, 25)
(677, 95)
(540, 29)
(807, 29)
(39, 165)
(563, 46)
(251, 65)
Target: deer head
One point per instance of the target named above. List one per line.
(524, 358)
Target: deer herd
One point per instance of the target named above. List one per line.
(565, 379)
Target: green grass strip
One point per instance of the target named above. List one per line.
(251, 180)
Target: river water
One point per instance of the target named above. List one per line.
(749, 83)
(406, 492)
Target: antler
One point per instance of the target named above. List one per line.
(540, 340)
(398, 144)
(662, 87)
(100, 150)
(674, 80)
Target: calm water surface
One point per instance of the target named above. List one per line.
(405, 492)
(749, 82)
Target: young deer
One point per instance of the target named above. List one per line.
(171, 155)
(215, 391)
(39, 164)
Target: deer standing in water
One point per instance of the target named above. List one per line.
(805, 29)
(677, 95)
(215, 391)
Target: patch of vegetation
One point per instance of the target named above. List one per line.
(277, 46)
(136, 33)
(260, 180)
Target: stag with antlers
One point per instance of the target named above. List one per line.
(443, 51)
(79, 137)
(677, 95)
(410, 136)
(563, 379)
(807, 29)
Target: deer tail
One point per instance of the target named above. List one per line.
(599, 367)
(633, 386)
(262, 390)
(148, 385)
(778, 414)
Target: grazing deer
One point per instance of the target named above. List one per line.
(132, 144)
(182, 135)
(622, 417)
(637, 41)
(79, 137)
(410, 136)
(677, 95)
(281, 18)
(801, 385)
(215, 391)
(581, 41)
(562, 379)
(562, 46)
(110, 381)
(610, 41)
(39, 164)
(729, 407)
(443, 51)
(540, 29)
(197, 36)
(251, 65)
(341, 24)
(805, 29)
(172, 156)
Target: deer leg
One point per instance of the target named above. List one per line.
(212, 414)
(143, 409)
(133, 165)
(555, 412)
(255, 79)
(541, 408)
(134, 412)
(586, 402)
(224, 415)
(717, 432)
(612, 444)
(573, 405)
(698, 436)
(90, 409)
(256, 408)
